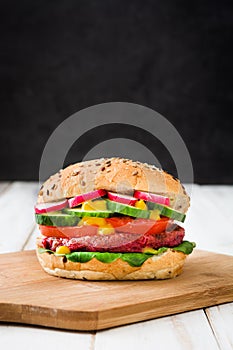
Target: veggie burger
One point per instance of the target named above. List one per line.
(112, 219)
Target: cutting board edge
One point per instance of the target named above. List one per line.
(103, 319)
(100, 322)
(148, 312)
(41, 316)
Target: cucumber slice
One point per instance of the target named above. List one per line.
(167, 211)
(127, 210)
(91, 213)
(56, 219)
(145, 214)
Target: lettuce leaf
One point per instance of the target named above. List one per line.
(133, 259)
(185, 247)
(81, 257)
(107, 257)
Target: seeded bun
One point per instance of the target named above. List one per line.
(166, 265)
(116, 175)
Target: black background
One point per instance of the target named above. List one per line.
(58, 57)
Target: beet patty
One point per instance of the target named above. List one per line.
(117, 242)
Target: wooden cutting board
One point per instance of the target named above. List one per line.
(29, 295)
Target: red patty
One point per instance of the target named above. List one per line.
(118, 242)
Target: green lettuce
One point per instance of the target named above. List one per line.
(185, 247)
(133, 259)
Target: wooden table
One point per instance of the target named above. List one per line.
(209, 223)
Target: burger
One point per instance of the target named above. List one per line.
(112, 219)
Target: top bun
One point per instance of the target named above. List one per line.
(116, 175)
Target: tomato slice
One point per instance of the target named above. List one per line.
(145, 226)
(121, 224)
(139, 226)
(117, 221)
(68, 231)
(159, 226)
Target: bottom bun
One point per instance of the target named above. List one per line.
(166, 265)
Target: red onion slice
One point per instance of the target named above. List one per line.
(75, 201)
(151, 197)
(48, 207)
(120, 198)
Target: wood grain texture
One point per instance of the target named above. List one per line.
(82, 305)
(25, 337)
(17, 215)
(221, 320)
(200, 224)
(179, 332)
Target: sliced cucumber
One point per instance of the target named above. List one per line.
(56, 219)
(167, 211)
(91, 213)
(128, 210)
(145, 214)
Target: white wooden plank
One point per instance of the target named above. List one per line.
(206, 224)
(222, 198)
(180, 332)
(31, 242)
(23, 337)
(17, 215)
(193, 223)
(4, 185)
(221, 320)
